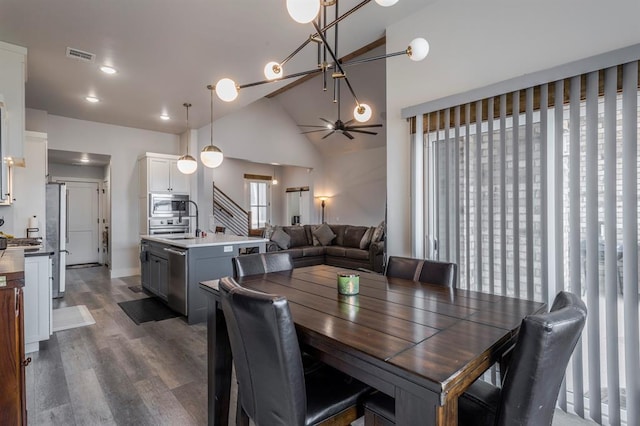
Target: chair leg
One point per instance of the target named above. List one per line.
(241, 417)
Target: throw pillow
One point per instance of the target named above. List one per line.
(268, 231)
(324, 234)
(297, 234)
(366, 239)
(353, 236)
(281, 238)
(315, 239)
(378, 233)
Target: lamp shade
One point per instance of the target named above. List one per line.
(187, 164)
(226, 89)
(418, 49)
(272, 70)
(211, 156)
(362, 113)
(303, 11)
(386, 3)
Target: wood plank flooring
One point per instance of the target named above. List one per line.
(116, 372)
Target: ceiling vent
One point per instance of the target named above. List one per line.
(80, 55)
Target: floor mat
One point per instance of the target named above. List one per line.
(71, 317)
(148, 309)
(136, 289)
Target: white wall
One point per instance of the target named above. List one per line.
(474, 44)
(356, 183)
(124, 145)
(259, 133)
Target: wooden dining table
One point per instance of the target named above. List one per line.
(422, 344)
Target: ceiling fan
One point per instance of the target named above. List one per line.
(340, 126)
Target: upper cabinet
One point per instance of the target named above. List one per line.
(159, 173)
(12, 78)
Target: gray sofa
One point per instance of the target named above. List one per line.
(343, 251)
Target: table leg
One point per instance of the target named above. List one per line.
(415, 410)
(218, 366)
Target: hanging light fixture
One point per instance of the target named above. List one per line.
(275, 179)
(187, 164)
(211, 156)
(316, 12)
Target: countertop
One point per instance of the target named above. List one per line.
(189, 241)
(11, 265)
(31, 251)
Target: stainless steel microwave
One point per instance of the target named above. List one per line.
(168, 205)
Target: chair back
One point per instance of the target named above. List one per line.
(403, 267)
(540, 358)
(266, 355)
(261, 263)
(440, 273)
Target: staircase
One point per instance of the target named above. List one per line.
(230, 215)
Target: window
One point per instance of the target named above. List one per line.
(536, 191)
(259, 203)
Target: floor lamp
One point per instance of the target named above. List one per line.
(323, 200)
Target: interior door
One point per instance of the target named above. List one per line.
(82, 214)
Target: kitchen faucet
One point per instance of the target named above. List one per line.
(182, 204)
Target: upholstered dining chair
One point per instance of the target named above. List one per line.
(261, 263)
(440, 273)
(403, 267)
(272, 387)
(532, 380)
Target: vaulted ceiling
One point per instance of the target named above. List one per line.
(167, 51)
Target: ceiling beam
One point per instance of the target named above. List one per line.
(356, 53)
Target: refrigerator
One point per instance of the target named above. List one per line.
(56, 234)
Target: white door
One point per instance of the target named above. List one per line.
(82, 214)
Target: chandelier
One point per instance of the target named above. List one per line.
(316, 12)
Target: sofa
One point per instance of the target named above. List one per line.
(352, 247)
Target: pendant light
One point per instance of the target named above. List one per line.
(275, 178)
(211, 156)
(187, 164)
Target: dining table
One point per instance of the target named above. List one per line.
(420, 343)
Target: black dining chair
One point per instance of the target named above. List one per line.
(261, 263)
(403, 267)
(532, 381)
(440, 273)
(272, 387)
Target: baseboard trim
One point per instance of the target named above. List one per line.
(124, 272)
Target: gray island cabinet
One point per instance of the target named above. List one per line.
(172, 266)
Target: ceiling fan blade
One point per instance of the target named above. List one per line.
(328, 134)
(347, 134)
(363, 126)
(362, 131)
(314, 131)
(311, 125)
(327, 121)
(350, 121)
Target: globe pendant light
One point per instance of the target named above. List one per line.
(187, 164)
(362, 113)
(211, 156)
(303, 11)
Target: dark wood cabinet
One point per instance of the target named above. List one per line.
(13, 407)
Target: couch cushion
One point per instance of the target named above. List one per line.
(297, 234)
(295, 252)
(353, 235)
(336, 251)
(339, 231)
(366, 239)
(356, 253)
(314, 239)
(281, 238)
(307, 232)
(324, 234)
(312, 251)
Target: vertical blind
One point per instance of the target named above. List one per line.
(536, 191)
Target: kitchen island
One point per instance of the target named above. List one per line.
(171, 266)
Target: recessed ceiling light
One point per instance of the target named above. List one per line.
(92, 99)
(84, 160)
(165, 117)
(108, 70)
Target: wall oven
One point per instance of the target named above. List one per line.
(168, 205)
(172, 225)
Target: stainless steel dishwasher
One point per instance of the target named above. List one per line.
(178, 279)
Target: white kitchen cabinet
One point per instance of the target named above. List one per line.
(159, 173)
(37, 301)
(12, 78)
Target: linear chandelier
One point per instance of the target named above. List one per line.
(316, 12)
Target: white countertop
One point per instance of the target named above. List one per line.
(189, 241)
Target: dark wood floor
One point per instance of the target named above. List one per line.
(117, 372)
